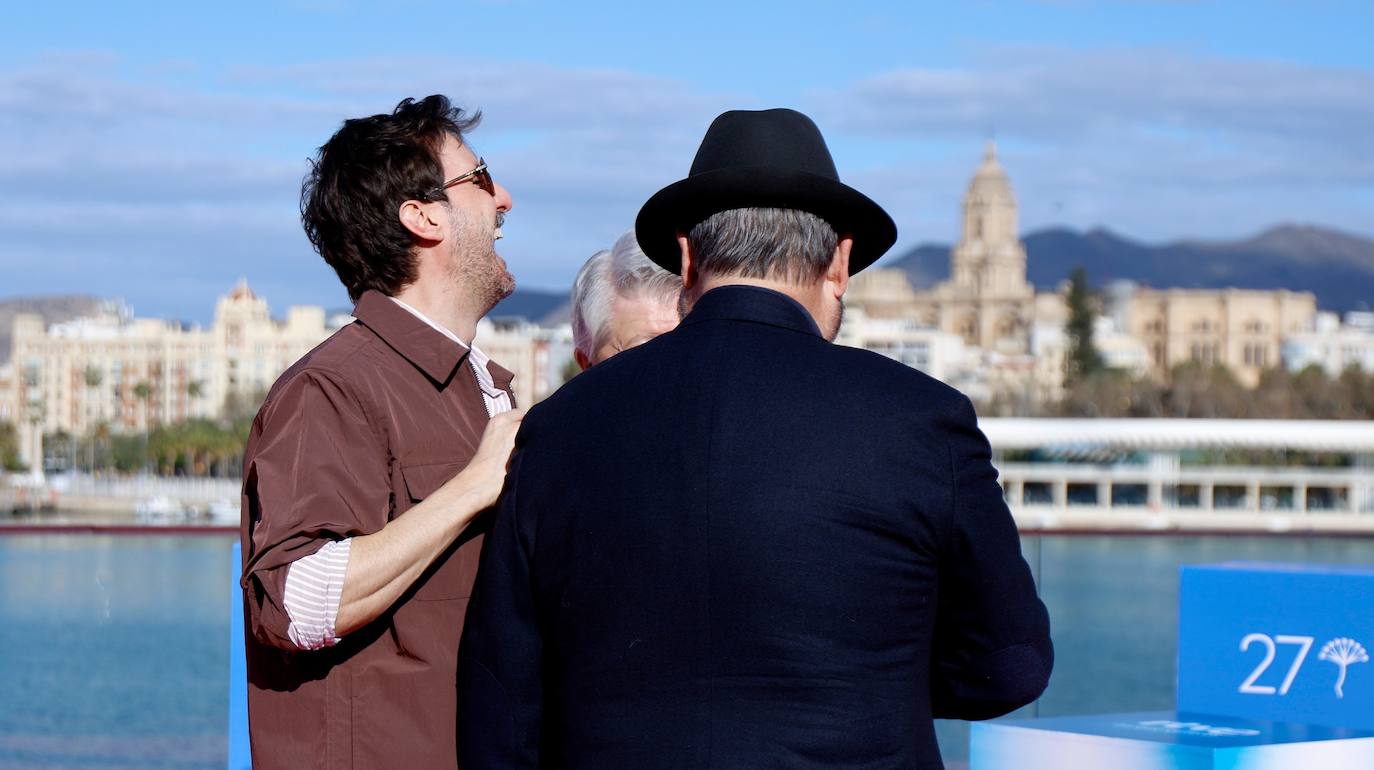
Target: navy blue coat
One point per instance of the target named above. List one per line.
(741, 546)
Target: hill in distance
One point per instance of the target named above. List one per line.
(54, 309)
(549, 308)
(1337, 267)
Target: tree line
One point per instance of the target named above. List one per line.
(215, 447)
(1195, 390)
(196, 447)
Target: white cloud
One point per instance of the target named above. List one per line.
(165, 187)
(123, 172)
(1154, 142)
(1053, 94)
(519, 96)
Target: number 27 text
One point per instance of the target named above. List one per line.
(1270, 644)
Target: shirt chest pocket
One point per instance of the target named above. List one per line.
(423, 479)
(452, 573)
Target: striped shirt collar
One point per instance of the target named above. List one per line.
(475, 354)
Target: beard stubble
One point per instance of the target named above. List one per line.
(474, 264)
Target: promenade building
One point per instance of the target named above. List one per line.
(124, 374)
(1332, 345)
(112, 371)
(1181, 473)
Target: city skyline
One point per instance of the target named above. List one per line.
(155, 153)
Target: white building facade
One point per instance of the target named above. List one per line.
(1332, 345)
(124, 374)
(535, 354)
(939, 354)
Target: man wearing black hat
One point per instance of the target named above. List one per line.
(738, 545)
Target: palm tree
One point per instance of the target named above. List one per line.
(195, 390)
(144, 393)
(100, 438)
(9, 447)
(92, 377)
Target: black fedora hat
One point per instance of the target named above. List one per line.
(765, 158)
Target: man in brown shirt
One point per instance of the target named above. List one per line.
(373, 457)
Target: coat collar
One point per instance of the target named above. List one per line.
(418, 342)
(754, 304)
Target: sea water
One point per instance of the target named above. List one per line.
(114, 648)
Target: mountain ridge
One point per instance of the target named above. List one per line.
(1336, 266)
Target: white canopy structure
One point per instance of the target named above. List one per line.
(1170, 435)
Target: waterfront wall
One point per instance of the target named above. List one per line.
(1042, 497)
(120, 494)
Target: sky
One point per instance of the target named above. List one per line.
(154, 151)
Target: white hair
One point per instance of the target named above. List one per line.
(624, 272)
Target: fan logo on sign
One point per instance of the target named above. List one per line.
(1342, 651)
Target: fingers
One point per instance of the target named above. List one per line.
(505, 425)
(499, 435)
(505, 419)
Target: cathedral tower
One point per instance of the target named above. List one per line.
(989, 262)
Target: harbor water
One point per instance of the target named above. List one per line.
(114, 648)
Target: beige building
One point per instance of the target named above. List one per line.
(986, 303)
(989, 304)
(1241, 329)
(130, 374)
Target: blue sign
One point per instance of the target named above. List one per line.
(1165, 740)
(1281, 642)
(239, 755)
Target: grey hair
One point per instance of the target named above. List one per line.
(777, 244)
(624, 272)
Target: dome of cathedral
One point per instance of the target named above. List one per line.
(990, 183)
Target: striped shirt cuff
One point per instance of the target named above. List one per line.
(314, 586)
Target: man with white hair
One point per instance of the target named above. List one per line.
(619, 300)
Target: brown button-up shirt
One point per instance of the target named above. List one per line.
(353, 435)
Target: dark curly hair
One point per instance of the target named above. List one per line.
(358, 181)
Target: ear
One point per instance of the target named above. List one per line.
(689, 266)
(420, 219)
(837, 275)
(582, 360)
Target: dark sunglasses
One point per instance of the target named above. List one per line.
(479, 176)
